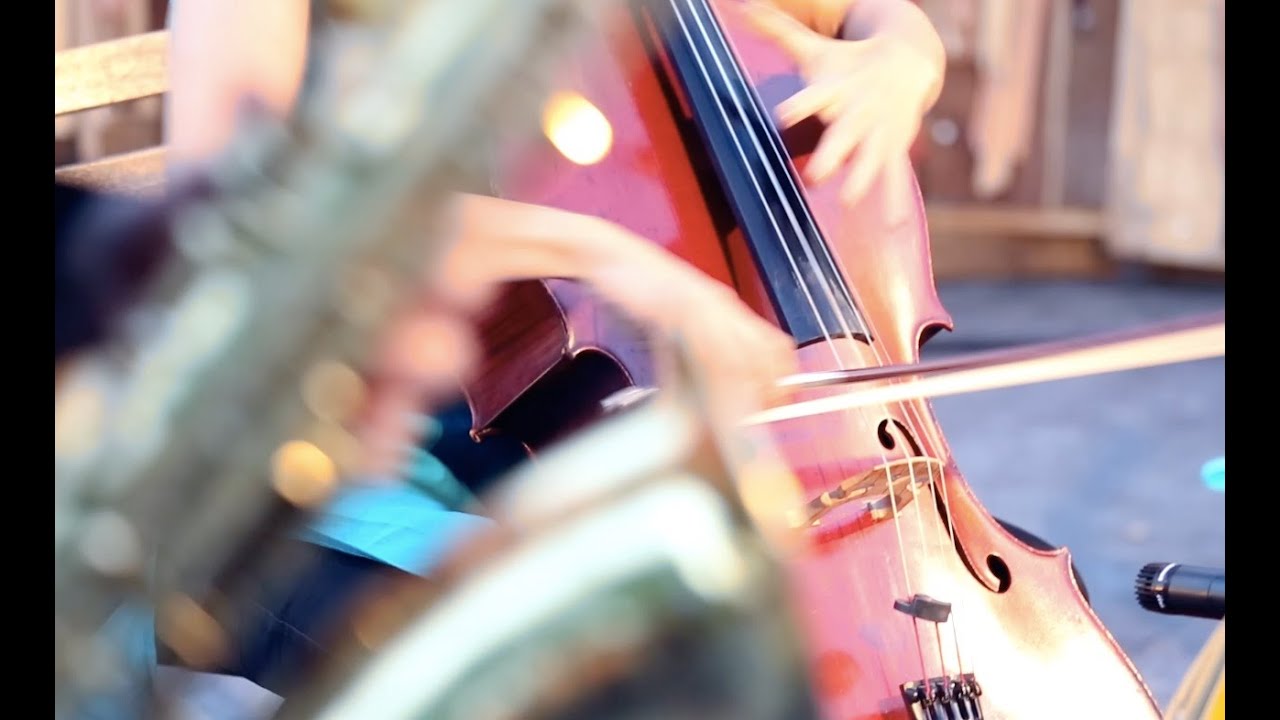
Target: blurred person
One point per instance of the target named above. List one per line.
(107, 248)
(849, 52)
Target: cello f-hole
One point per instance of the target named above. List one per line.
(885, 433)
(1000, 570)
(993, 572)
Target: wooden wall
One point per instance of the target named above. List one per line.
(1040, 158)
(1013, 167)
(1065, 163)
(1068, 204)
(1167, 196)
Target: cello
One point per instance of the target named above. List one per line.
(916, 602)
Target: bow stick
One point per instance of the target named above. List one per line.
(1184, 340)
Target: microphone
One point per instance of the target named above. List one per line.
(1177, 589)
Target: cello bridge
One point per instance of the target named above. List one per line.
(882, 490)
(944, 698)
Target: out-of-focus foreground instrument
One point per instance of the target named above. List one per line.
(218, 414)
(634, 573)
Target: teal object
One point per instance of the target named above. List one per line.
(409, 524)
(1214, 474)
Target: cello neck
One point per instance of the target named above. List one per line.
(802, 280)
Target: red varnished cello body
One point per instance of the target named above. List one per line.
(917, 602)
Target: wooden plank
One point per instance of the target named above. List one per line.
(141, 173)
(63, 128)
(1167, 189)
(1089, 106)
(996, 257)
(972, 242)
(1056, 102)
(1004, 257)
(1015, 220)
(110, 72)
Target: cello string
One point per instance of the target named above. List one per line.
(756, 184)
(755, 181)
(912, 478)
(908, 413)
(773, 180)
(796, 273)
(780, 158)
(824, 280)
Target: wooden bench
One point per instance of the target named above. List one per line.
(991, 241)
(105, 74)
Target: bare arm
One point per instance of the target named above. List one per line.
(507, 240)
(223, 50)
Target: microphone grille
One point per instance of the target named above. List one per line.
(1146, 587)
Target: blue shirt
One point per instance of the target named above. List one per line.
(404, 524)
(401, 524)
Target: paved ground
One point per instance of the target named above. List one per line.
(1108, 466)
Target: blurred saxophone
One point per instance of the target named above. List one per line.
(217, 419)
(635, 575)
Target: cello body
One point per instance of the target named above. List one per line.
(915, 601)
